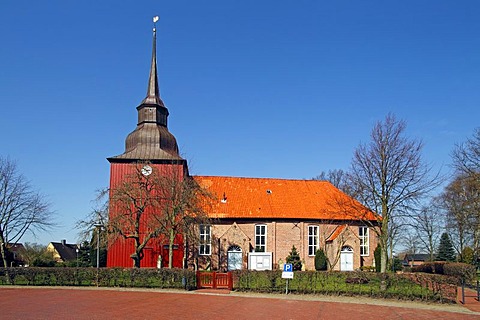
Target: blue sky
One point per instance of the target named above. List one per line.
(281, 89)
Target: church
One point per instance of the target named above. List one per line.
(254, 222)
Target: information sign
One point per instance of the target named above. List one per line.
(287, 271)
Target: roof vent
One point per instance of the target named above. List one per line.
(224, 199)
(269, 191)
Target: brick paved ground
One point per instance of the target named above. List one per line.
(92, 303)
(471, 301)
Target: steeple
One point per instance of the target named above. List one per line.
(152, 108)
(151, 140)
(153, 93)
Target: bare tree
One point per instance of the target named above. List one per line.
(461, 202)
(96, 218)
(411, 242)
(466, 156)
(22, 209)
(144, 207)
(182, 210)
(389, 176)
(337, 177)
(334, 237)
(466, 160)
(428, 226)
(36, 255)
(93, 226)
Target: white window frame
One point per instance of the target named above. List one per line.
(260, 233)
(205, 247)
(313, 243)
(364, 235)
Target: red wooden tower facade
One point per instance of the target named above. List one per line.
(153, 144)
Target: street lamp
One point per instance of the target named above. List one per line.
(98, 226)
(76, 250)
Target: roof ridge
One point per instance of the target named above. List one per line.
(259, 178)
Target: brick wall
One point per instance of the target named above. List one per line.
(281, 236)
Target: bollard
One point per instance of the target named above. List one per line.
(478, 290)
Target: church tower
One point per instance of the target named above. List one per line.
(151, 145)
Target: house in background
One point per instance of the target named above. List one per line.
(63, 251)
(14, 255)
(412, 260)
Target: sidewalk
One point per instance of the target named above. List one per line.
(125, 303)
(471, 301)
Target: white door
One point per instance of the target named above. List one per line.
(234, 258)
(346, 259)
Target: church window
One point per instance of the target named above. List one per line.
(205, 240)
(312, 240)
(363, 234)
(260, 238)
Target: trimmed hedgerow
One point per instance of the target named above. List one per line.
(461, 271)
(412, 286)
(106, 277)
(398, 286)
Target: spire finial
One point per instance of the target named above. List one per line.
(153, 92)
(155, 19)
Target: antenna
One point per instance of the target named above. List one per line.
(155, 19)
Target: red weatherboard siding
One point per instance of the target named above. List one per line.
(119, 251)
(264, 198)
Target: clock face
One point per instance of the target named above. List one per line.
(147, 170)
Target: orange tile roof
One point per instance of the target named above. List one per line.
(280, 198)
(338, 230)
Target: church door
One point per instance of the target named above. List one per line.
(346, 259)
(234, 258)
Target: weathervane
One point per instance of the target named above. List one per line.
(155, 19)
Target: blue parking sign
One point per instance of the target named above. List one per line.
(288, 267)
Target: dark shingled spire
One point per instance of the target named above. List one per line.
(153, 91)
(151, 140)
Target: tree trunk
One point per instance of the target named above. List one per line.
(3, 252)
(171, 239)
(384, 242)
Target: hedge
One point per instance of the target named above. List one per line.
(107, 277)
(398, 286)
(413, 286)
(461, 271)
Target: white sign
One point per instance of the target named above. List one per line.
(287, 275)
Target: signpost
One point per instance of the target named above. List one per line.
(287, 274)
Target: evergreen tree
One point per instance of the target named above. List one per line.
(446, 252)
(377, 255)
(294, 259)
(320, 260)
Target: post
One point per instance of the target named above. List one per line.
(463, 291)
(98, 251)
(76, 250)
(286, 288)
(230, 281)
(478, 290)
(98, 227)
